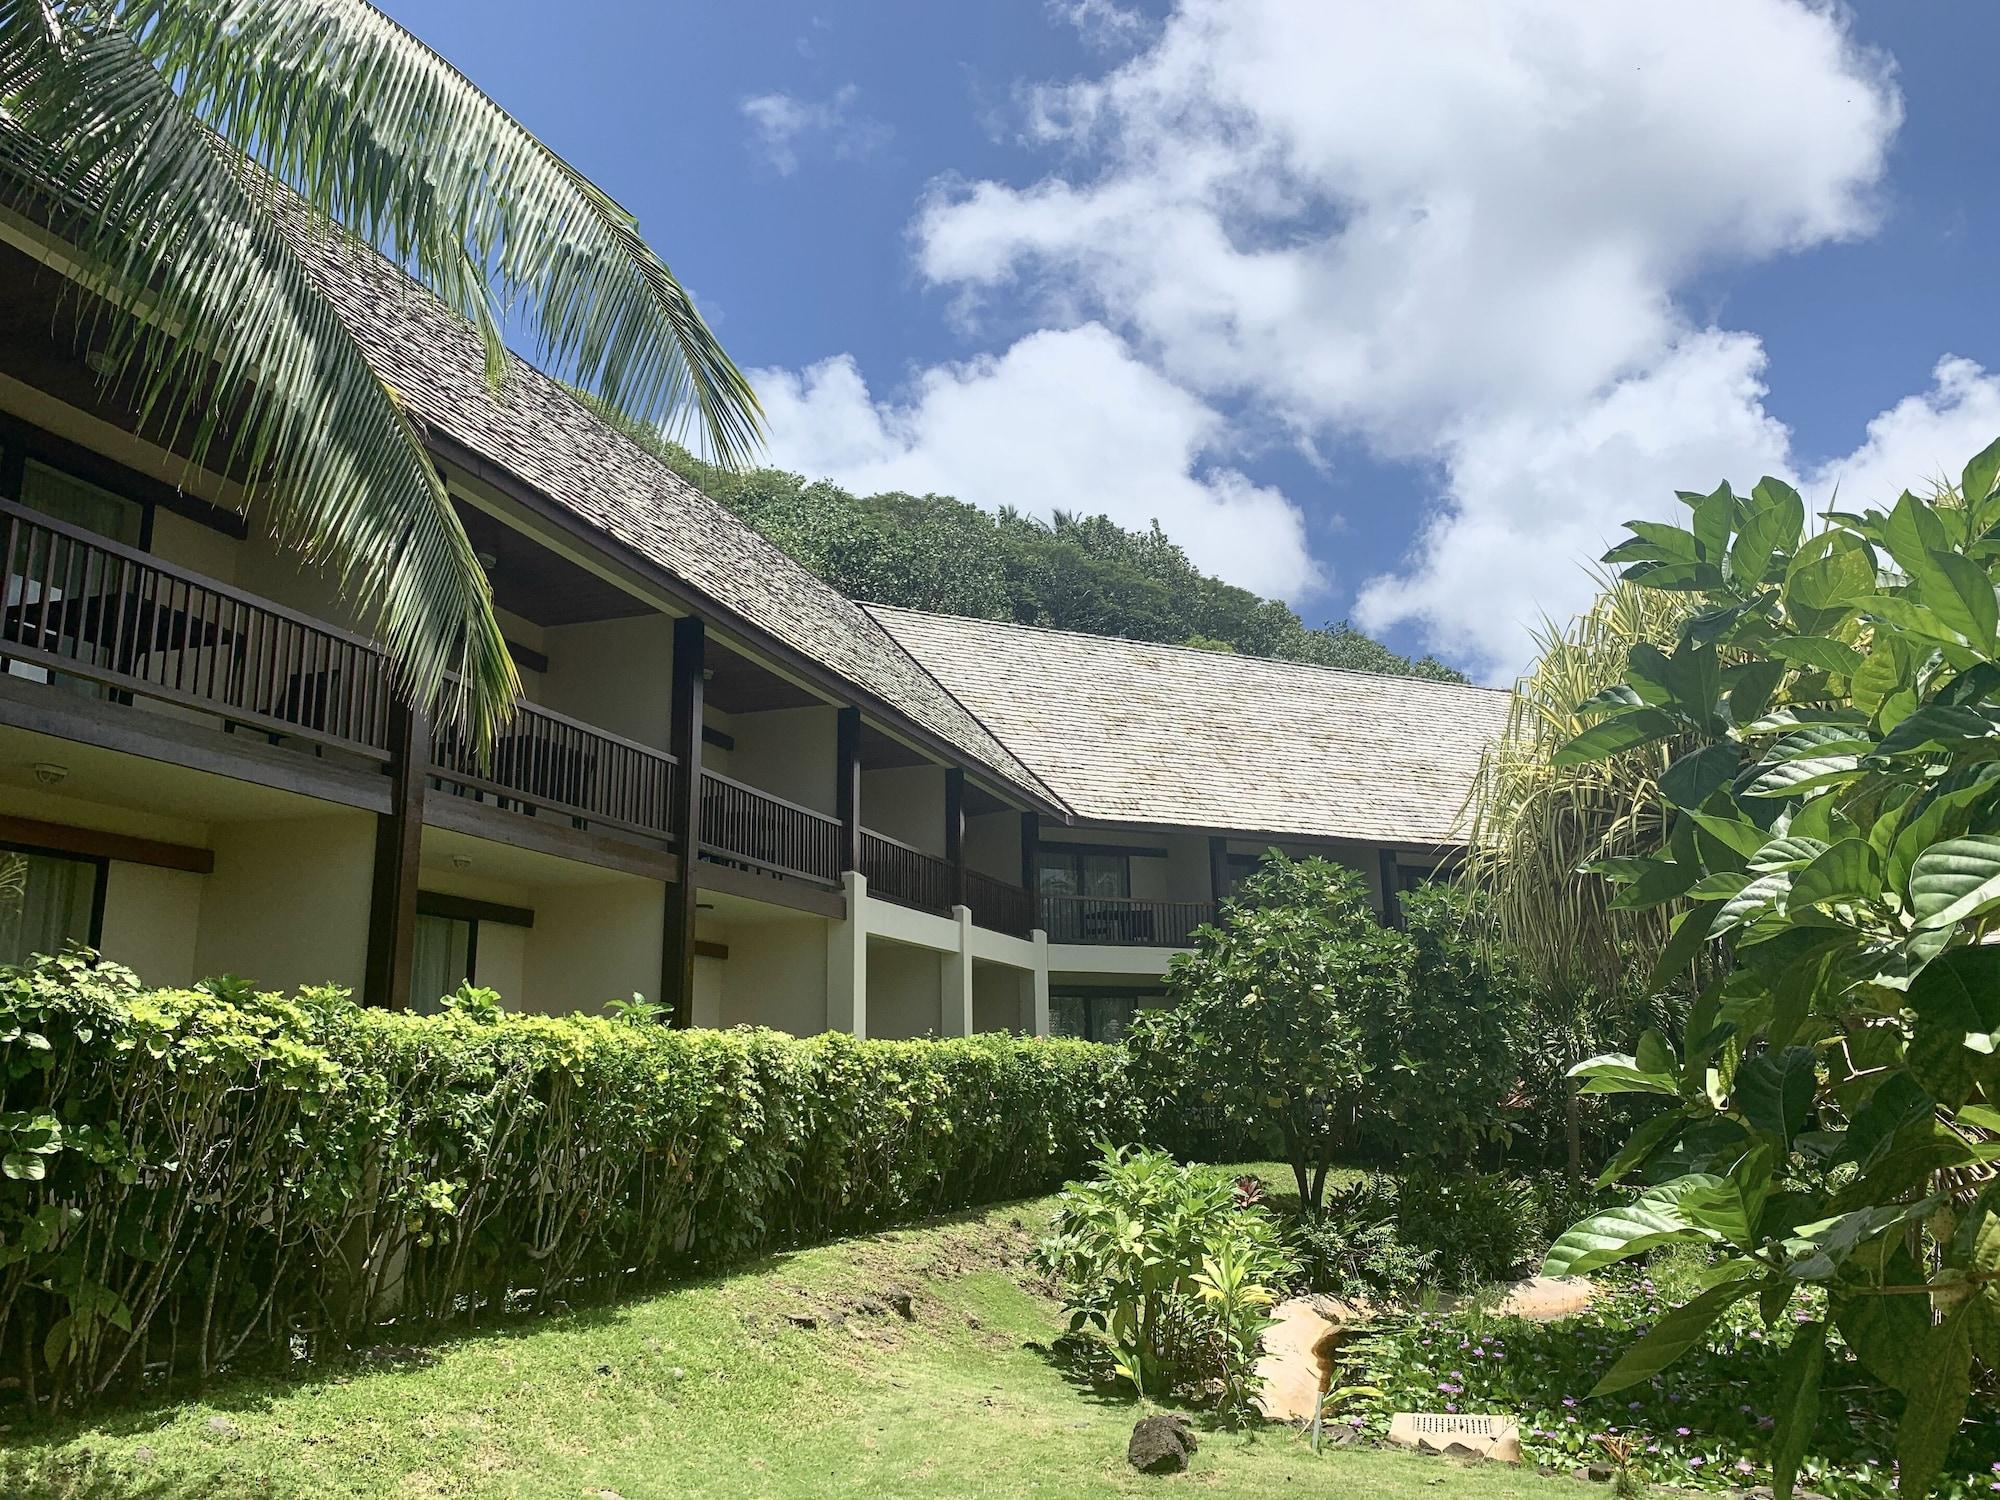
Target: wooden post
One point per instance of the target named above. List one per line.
(954, 832)
(399, 835)
(1031, 852)
(1218, 867)
(847, 786)
(677, 940)
(1392, 900)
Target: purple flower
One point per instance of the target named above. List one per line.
(1765, 1424)
(1652, 1447)
(1634, 1405)
(1696, 1462)
(1479, 1354)
(1683, 1432)
(1449, 1407)
(1744, 1466)
(1569, 1401)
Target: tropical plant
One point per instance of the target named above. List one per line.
(1832, 822)
(1273, 1012)
(197, 156)
(1159, 1262)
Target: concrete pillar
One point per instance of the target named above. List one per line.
(1040, 979)
(847, 961)
(955, 980)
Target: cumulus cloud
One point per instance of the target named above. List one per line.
(1063, 420)
(782, 125)
(1922, 438)
(1458, 237)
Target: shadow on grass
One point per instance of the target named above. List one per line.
(255, 1385)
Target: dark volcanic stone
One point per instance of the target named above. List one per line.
(1160, 1445)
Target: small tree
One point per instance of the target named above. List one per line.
(1272, 1011)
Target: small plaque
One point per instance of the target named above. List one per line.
(1473, 1434)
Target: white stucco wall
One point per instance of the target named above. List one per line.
(287, 905)
(904, 990)
(616, 674)
(775, 975)
(152, 917)
(594, 941)
(790, 753)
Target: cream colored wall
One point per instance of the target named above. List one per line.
(993, 845)
(592, 942)
(789, 752)
(176, 539)
(775, 975)
(906, 803)
(287, 905)
(151, 919)
(80, 812)
(616, 674)
(502, 961)
(904, 991)
(710, 984)
(1002, 999)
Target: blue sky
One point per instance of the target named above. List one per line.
(1392, 314)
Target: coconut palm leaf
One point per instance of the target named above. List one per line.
(187, 153)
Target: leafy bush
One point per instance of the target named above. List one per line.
(1272, 1010)
(1831, 850)
(1710, 1422)
(1476, 1228)
(1160, 1262)
(195, 1177)
(1353, 1245)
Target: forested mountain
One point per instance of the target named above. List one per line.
(1077, 573)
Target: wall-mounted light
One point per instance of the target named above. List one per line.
(486, 560)
(102, 363)
(48, 773)
(461, 861)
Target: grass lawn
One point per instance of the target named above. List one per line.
(709, 1390)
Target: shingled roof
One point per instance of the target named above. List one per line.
(541, 434)
(1132, 732)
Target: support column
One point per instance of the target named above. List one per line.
(954, 832)
(847, 962)
(847, 785)
(1218, 867)
(1031, 851)
(1038, 987)
(1392, 899)
(955, 979)
(684, 820)
(399, 834)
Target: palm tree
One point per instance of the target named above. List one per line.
(183, 147)
(1534, 825)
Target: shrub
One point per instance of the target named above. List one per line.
(1272, 1010)
(1475, 1228)
(1354, 1245)
(193, 1177)
(1159, 1261)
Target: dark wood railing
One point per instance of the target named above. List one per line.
(741, 825)
(904, 874)
(82, 606)
(546, 761)
(1122, 922)
(1000, 905)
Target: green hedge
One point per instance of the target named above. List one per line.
(193, 1178)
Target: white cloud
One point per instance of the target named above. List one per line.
(1458, 235)
(1919, 439)
(1103, 23)
(1064, 420)
(782, 125)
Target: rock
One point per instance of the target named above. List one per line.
(807, 1321)
(903, 1305)
(1595, 1473)
(1160, 1445)
(1290, 1366)
(222, 1427)
(1547, 1299)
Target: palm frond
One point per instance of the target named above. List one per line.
(227, 342)
(377, 131)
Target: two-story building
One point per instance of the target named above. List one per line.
(726, 788)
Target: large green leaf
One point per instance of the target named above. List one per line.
(1823, 652)
(1733, 1206)
(1957, 1003)
(1934, 1403)
(1620, 1233)
(1676, 1333)
(1792, 778)
(1620, 1073)
(1695, 777)
(1844, 872)
(1937, 726)
(1772, 520)
(1774, 1091)
(1912, 532)
(1959, 592)
(1955, 879)
(1886, 1333)
(1647, 1139)
(1624, 731)
(1798, 1405)
(1980, 476)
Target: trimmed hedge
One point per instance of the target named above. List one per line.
(196, 1177)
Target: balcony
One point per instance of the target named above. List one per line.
(743, 826)
(1124, 923)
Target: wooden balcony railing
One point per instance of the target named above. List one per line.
(1122, 922)
(741, 825)
(546, 761)
(82, 606)
(898, 872)
(999, 905)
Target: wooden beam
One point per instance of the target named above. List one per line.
(954, 832)
(399, 834)
(1218, 867)
(465, 909)
(847, 785)
(703, 949)
(684, 820)
(717, 738)
(1392, 899)
(93, 843)
(1031, 852)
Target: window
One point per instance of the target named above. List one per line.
(1096, 1015)
(81, 503)
(1084, 872)
(446, 950)
(46, 901)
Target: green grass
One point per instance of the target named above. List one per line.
(707, 1390)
